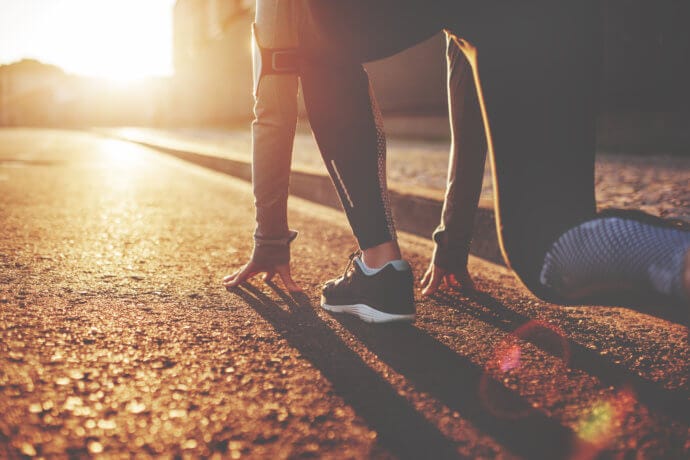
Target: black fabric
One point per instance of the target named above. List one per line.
(340, 110)
(538, 64)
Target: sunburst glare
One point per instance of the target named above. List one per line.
(120, 41)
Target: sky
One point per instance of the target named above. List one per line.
(116, 39)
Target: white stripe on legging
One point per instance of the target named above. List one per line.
(342, 184)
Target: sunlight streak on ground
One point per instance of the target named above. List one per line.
(122, 155)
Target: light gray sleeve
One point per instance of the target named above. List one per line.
(273, 132)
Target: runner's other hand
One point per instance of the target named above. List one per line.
(436, 277)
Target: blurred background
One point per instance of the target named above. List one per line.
(187, 63)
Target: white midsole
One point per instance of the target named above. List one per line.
(366, 313)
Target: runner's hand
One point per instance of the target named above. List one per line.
(251, 269)
(436, 276)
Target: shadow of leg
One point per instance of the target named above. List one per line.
(402, 430)
(671, 402)
(454, 380)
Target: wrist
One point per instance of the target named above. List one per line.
(450, 257)
(274, 250)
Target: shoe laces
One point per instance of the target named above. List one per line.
(350, 264)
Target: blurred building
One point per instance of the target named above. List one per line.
(212, 59)
(36, 94)
(645, 99)
(29, 91)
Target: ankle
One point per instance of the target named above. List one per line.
(380, 255)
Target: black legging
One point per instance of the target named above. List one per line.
(539, 65)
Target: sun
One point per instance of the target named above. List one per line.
(118, 40)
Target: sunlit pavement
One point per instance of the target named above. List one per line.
(117, 338)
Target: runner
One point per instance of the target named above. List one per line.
(539, 68)
(358, 157)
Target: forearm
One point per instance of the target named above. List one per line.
(465, 168)
(273, 132)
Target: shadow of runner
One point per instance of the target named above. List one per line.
(435, 369)
(402, 430)
(674, 403)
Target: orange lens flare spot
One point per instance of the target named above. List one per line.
(511, 358)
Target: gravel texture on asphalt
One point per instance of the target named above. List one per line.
(117, 338)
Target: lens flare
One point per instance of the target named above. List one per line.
(511, 360)
(510, 356)
(600, 424)
(596, 424)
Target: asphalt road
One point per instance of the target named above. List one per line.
(117, 338)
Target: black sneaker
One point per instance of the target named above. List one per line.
(383, 297)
